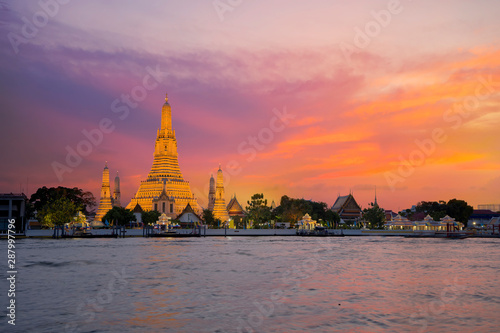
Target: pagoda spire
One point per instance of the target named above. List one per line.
(105, 202)
(165, 174)
(166, 118)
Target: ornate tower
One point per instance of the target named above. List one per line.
(165, 169)
(220, 211)
(211, 194)
(116, 193)
(105, 201)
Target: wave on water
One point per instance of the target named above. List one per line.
(45, 263)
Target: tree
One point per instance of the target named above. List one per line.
(292, 210)
(208, 217)
(258, 211)
(119, 216)
(44, 196)
(332, 218)
(375, 216)
(460, 210)
(150, 217)
(58, 212)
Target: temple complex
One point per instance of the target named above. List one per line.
(219, 210)
(165, 175)
(106, 202)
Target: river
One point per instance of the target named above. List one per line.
(255, 284)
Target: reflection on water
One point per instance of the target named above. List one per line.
(260, 284)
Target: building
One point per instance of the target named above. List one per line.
(106, 202)
(116, 193)
(137, 211)
(211, 194)
(235, 209)
(188, 218)
(273, 205)
(347, 208)
(220, 210)
(389, 215)
(165, 204)
(426, 224)
(306, 223)
(165, 170)
(12, 206)
(481, 217)
(492, 207)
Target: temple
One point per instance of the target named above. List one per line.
(106, 202)
(116, 193)
(219, 210)
(234, 208)
(347, 208)
(165, 175)
(211, 194)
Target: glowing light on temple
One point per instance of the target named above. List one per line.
(165, 172)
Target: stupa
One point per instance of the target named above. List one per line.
(116, 193)
(220, 211)
(211, 194)
(165, 170)
(105, 203)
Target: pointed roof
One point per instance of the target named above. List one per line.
(234, 207)
(447, 219)
(189, 209)
(137, 209)
(343, 202)
(163, 195)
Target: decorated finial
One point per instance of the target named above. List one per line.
(166, 97)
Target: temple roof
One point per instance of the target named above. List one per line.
(234, 207)
(343, 202)
(137, 209)
(189, 209)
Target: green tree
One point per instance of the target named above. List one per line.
(119, 216)
(44, 196)
(375, 216)
(58, 212)
(258, 211)
(294, 209)
(460, 210)
(208, 217)
(150, 217)
(332, 218)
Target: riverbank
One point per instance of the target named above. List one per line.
(102, 233)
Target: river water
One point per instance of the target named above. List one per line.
(255, 284)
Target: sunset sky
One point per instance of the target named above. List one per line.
(404, 96)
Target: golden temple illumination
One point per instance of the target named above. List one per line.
(165, 170)
(106, 202)
(219, 210)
